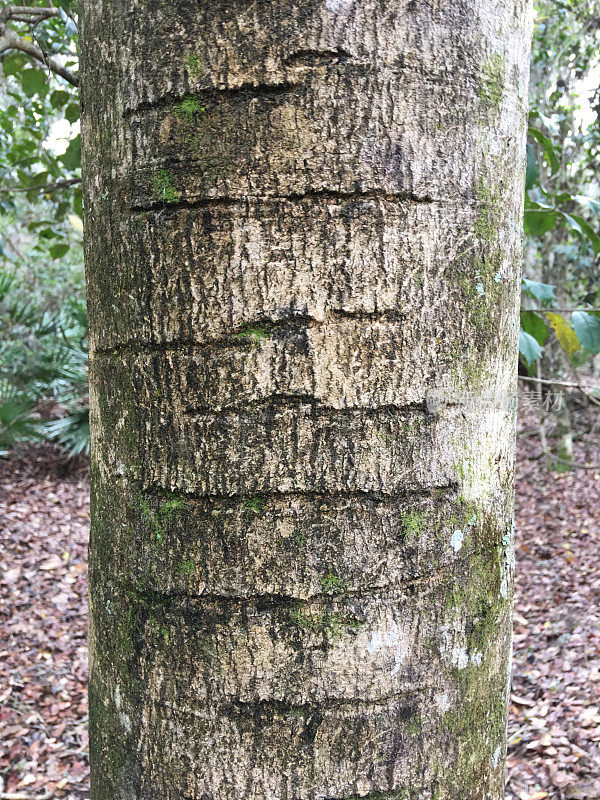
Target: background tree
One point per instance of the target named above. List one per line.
(43, 348)
(561, 212)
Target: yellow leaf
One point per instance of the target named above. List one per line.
(28, 38)
(564, 333)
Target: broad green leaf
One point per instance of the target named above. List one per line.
(33, 82)
(564, 333)
(13, 64)
(579, 225)
(587, 202)
(547, 147)
(72, 112)
(71, 158)
(587, 328)
(59, 250)
(544, 292)
(537, 222)
(59, 98)
(528, 347)
(78, 202)
(532, 173)
(7, 124)
(533, 324)
(39, 180)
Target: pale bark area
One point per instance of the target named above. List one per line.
(303, 250)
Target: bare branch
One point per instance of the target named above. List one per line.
(555, 383)
(587, 391)
(561, 310)
(27, 13)
(10, 40)
(50, 187)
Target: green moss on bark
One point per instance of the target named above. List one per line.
(491, 85)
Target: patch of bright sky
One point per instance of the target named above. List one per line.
(61, 133)
(584, 113)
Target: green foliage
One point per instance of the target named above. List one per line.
(533, 324)
(529, 348)
(43, 359)
(532, 172)
(43, 365)
(544, 292)
(587, 327)
(40, 153)
(563, 152)
(18, 421)
(72, 432)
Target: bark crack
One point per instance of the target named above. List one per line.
(316, 58)
(285, 402)
(242, 337)
(288, 707)
(246, 91)
(434, 491)
(313, 195)
(232, 604)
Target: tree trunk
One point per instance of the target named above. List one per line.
(303, 239)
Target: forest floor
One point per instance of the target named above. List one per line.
(554, 726)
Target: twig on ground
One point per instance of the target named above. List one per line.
(18, 796)
(585, 390)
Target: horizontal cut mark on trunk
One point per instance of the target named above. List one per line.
(316, 58)
(468, 76)
(412, 495)
(284, 402)
(232, 604)
(284, 707)
(243, 337)
(246, 91)
(312, 195)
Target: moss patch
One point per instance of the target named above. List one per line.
(163, 188)
(256, 336)
(491, 85)
(413, 524)
(188, 108)
(156, 520)
(195, 64)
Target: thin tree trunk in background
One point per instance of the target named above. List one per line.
(555, 363)
(303, 245)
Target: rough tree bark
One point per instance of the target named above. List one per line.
(303, 247)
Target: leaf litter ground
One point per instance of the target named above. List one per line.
(554, 726)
